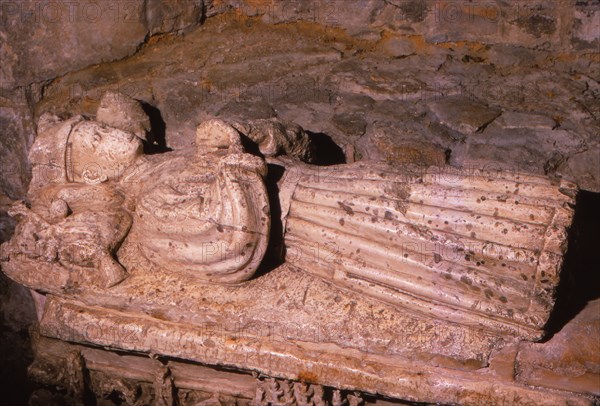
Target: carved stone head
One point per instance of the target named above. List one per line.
(81, 151)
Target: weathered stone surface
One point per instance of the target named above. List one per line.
(46, 40)
(585, 26)
(120, 111)
(355, 16)
(503, 56)
(274, 137)
(533, 24)
(17, 132)
(244, 110)
(398, 47)
(352, 125)
(401, 144)
(528, 143)
(154, 249)
(132, 378)
(43, 40)
(584, 168)
(570, 360)
(462, 114)
(510, 120)
(165, 16)
(491, 156)
(338, 367)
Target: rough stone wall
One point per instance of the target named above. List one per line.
(43, 40)
(557, 26)
(46, 39)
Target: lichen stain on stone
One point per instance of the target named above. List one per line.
(308, 376)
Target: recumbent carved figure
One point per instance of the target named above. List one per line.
(482, 248)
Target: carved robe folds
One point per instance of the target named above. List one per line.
(211, 225)
(475, 247)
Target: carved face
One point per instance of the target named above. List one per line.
(96, 153)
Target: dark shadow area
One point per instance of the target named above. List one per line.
(16, 316)
(7, 225)
(204, 13)
(580, 277)
(274, 255)
(327, 151)
(157, 142)
(250, 146)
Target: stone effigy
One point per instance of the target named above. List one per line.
(157, 253)
(479, 248)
